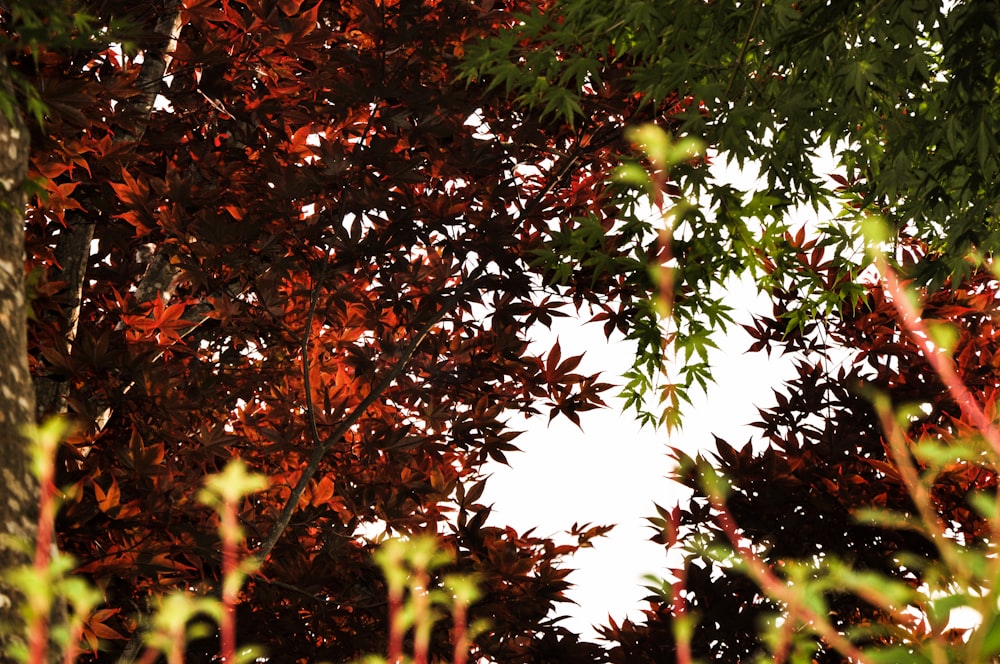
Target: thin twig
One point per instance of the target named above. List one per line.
(306, 338)
(778, 589)
(743, 47)
(940, 361)
(918, 491)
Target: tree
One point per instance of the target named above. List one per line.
(282, 231)
(900, 92)
(18, 512)
(823, 459)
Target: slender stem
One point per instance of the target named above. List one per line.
(177, 648)
(972, 410)
(682, 633)
(39, 629)
(72, 649)
(784, 642)
(743, 46)
(939, 361)
(911, 479)
(460, 632)
(230, 585)
(779, 590)
(306, 343)
(395, 625)
(422, 623)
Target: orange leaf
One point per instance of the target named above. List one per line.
(290, 7)
(132, 192)
(104, 632)
(323, 492)
(164, 560)
(107, 500)
(92, 643)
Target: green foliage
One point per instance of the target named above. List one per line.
(367, 353)
(56, 584)
(32, 28)
(417, 593)
(671, 322)
(51, 581)
(864, 529)
(902, 93)
(50, 24)
(952, 616)
(230, 485)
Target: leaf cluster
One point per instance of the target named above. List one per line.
(822, 500)
(900, 93)
(319, 252)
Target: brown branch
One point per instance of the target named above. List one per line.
(72, 251)
(306, 338)
(743, 47)
(376, 392)
(156, 60)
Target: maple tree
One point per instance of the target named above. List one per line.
(823, 461)
(900, 94)
(302, 234)
(283, 231)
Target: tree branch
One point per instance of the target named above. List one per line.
(376, 392)
(73, 249)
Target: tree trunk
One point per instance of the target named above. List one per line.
(19, 493)
(18, 487)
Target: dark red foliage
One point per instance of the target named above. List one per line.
(316, 252)
(821, 458)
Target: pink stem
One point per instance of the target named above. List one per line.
(38, 632)
(680, 611)
(230, 530)
(939, 361)
(460, 635)
(776, 588)
(395, 626)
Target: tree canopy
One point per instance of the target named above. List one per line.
(315, 236)
(285, 232)
(804, 491)
(901, 94)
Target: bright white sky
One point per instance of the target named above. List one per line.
(613, 471)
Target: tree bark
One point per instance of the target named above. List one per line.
(18, 393)
(19, 493)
